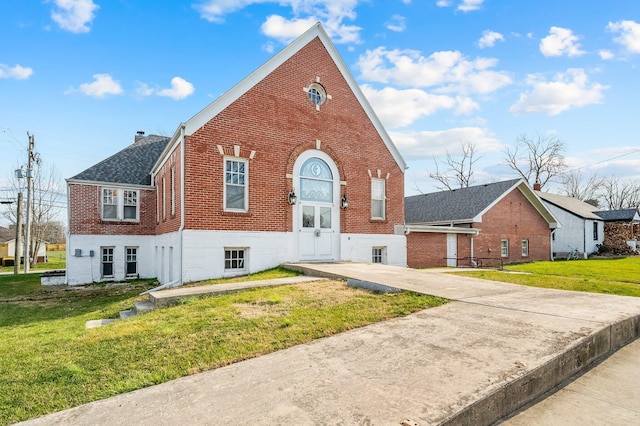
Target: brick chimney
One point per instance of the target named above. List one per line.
(536, 186)
(139, 136)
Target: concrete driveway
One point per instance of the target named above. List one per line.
(472, 361)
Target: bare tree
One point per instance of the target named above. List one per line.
(537, 160)
(576, 185)
(44, 209)
(616, 193)
(459, 172)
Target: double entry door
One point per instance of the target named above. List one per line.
(316, 231)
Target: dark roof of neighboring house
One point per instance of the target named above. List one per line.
(622, 215)
(455, 205)
(132, 165)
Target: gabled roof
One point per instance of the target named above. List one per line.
(227, 98)
(467, 205)
(572, 205)
(131, 166)
(622, 215)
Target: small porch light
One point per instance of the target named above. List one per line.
(344, 202)
(292, 197)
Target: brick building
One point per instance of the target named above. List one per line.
(290, 165)
(484, 224)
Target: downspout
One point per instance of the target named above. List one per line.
(473, 262)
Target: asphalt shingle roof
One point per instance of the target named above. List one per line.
(132, 165)
(623, 215)
(570, 204)
(454, 205)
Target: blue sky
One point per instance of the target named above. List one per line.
(84, 75)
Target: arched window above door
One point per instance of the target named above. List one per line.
(316, 181)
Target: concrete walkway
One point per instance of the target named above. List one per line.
(471, 361)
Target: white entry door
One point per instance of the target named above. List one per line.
(452, 250)
(316, 234)
(318, 217)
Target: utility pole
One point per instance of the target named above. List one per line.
(27, 231)
(16, 255)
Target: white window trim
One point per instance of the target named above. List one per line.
(173, 191)
(384, 197)
(126, 261)
(246, 183)
(232, 271)
(504, 249)
(164, 198)
(119, 205)
(383, 254)
(102, 262)
(525, 248)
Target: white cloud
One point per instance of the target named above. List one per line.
(400, 108)
(102, 85)
(566, 91)
(605, 54)
(489, 39)
(286, 30)
(396, 23)
(628, 34)
(332, 14)
(427, 144)
(447, 72)
(16, 72)
(74, 15)
(560, 41)
(143, 90)
(464, 5)
(180, 89)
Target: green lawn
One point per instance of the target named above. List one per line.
(56, 260)
(51, 362)
(608, 276)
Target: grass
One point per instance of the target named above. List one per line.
(607, 276)
(56, 260)
(51, 362)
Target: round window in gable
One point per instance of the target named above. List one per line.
(317, 94)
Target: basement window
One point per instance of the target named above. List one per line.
(234, 259)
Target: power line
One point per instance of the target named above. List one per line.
(603, 161)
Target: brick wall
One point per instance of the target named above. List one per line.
(426, 250)
(277, 120)
(85, 217)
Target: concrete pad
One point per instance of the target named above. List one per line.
(163, 298)
(607, 395)
(98, 323)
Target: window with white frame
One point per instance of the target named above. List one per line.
(164, 198)
(120, 204)
(504, 248)
(234, 259)
(595, 231)
(378, 254)
(377, 198)
(131, 261)
(236, 184)
(106, 262)
(525, 248)
(173, 191)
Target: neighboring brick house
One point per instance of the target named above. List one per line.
(479, 225)
(290, 165)
(582, 229)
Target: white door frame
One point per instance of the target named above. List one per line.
(452, 250)
(335, 206)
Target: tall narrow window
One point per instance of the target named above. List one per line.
(173, 191)
(109, 203)
(377, 198)
(130, 205)
(525, 248)
(504, 248)
(107, 262)
(595, 231)
(235, 184)
(131, 259)
(164, 198)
